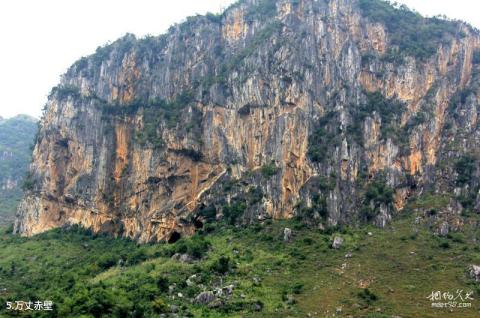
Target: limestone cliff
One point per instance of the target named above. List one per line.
(335, 111)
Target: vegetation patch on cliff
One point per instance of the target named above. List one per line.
(408, 30)
(377, 194)
(325, 135)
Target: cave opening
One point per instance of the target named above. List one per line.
(198, 223)
(174, 237)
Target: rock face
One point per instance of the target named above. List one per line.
(474, 271)
(205, 298)
(326, 110)
(337, 242)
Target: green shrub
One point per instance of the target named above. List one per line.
(64, 91)
(254, 195)
(367, 296)
(107, 261)
(376, 194)
(263, 9)
(196, 246)
(322, 138)
(379, 192)
(297, 288)
(222, 265)
(269, 169)
(215, 18)
(209, 213)
(232, 212)
(431, 202)
(409, 31)
(476, 57)
(465, 167)
(319, 205)
(159, 306)
(28, 183)
(444, 245)
(162, 284)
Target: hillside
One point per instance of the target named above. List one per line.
(376, 273)
(16, 139)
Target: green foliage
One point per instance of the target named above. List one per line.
(209, 213)
(376, 194)
(323, 136)
(140, 280)
(102, 53)
(379, 192)
(156, 113)
(196, 247)
(90, 66)
(269, 170)
(233, 63)
(444, 245)
(297, 288)
(159, 306)
(28, 182)
(215, 18)
(409, 31)
(254, 195)
(431, 202)
(367, 296)
(389, 110)
(222, 265)
(17, 136)
(262, 10)
(476, 57)
(232, 212)
(465, 167)
(326, 183)
(319, 205)
(62, 92)
(458, 99)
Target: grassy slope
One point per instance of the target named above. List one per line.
(401, 265)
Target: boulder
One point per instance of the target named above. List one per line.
(217, 303)
(474, 271)
(205, 298)
(183, 258)
(287, 234)
(229, 289)
(337, 242)
(444, 229)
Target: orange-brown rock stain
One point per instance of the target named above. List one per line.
(235, 27)
(413, 162)
(122, 139)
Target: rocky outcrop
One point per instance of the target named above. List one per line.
(273, 109)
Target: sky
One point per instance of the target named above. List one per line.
(41, 39)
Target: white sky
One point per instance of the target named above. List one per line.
(41, 39)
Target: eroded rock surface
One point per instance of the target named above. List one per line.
(271, 110)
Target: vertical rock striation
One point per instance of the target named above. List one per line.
(273, 109)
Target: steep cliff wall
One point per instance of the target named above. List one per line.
(335, 111)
